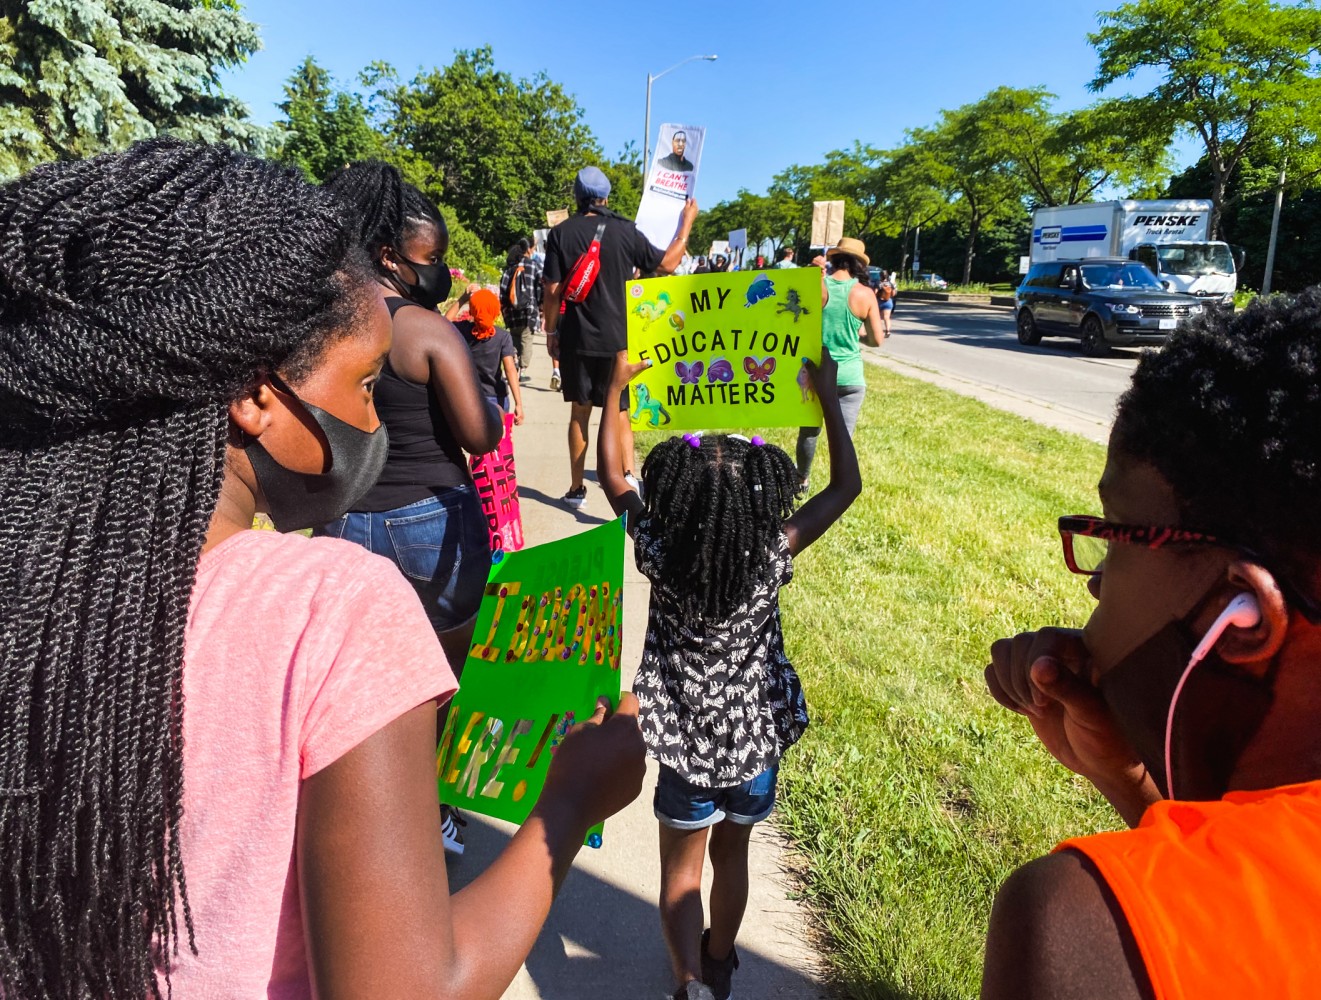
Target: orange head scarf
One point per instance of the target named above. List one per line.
(484, 308)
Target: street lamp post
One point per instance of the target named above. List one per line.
(646, 133)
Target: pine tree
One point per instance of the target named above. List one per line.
(79, 77)
(324, 128)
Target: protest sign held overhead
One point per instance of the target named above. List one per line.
(827, 223)
(671, 180)
(727, 349)
(545, 647)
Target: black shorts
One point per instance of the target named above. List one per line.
(584, 379)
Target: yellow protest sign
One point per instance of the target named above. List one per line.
(727, 350)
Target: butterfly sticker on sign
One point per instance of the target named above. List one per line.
(728, 350)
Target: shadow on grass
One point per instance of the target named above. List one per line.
(604, 941)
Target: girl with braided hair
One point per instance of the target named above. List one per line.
(424, 512)
(217, 744)
(720, 701)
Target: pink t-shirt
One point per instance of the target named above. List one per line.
(297, 650)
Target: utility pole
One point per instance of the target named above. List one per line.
(1275, 232)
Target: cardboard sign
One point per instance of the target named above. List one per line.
(671, 181)
(555, 216)
(827, 223)
(738, 239)
(545, 647)
(497, 487)
(727, 349)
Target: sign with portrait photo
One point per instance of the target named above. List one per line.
(671, 181)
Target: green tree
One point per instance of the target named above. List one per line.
(759, 214)
(1069, 158)
(912, 200)
(1233, 73)
(968, 155)
(625, 174)
(324, 127)
(79, 77)
(500, 151)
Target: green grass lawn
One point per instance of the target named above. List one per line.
(913, 794)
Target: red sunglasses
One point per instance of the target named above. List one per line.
(1087, 540)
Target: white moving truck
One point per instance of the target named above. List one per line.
(1168, 236)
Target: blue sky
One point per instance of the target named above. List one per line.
(792, 81)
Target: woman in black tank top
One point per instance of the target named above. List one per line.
(423, 513)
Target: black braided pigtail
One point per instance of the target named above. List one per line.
(718, 510)
(140, 293)
(385, 208)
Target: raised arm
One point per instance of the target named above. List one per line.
(812, 519)
(456, 307)
(679, 245)
(610, 447)
(376, 901)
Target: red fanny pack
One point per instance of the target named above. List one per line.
(585, 270)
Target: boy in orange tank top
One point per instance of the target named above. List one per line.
(1191, 697)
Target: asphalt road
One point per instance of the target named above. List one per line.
(973, 350)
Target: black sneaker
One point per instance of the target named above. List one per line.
(692, 990)
(577, 499)
(718, 972)
(451, 823)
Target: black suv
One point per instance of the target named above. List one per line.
(1101, 301)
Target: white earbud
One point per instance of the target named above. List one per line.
(1243, 611)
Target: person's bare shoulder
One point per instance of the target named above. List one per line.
(1058, 933)
(418, 335)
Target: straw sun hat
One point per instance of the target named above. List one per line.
(850, 246)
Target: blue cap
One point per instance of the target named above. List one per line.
(591, 183)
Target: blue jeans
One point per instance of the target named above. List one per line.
(441, 544)
(683, 806)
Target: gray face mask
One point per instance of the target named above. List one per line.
(308, 500)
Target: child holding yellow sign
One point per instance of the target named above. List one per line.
(720, 701)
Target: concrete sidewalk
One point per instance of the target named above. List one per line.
(603, 938)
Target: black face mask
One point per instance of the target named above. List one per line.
(307, 500)
(1220, 709)
(433, 285)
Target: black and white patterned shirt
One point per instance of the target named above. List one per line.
(720, 701)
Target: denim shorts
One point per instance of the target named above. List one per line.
(441, 544)
(683, 806)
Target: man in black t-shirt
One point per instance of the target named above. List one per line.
(590, 333)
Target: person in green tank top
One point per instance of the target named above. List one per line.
(850, 317)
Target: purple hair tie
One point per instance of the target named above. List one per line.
(758, 441)
(692, 440)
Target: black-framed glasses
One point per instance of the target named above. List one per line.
(1087, 541)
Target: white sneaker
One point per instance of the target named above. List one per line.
(632, 481)
(450, 821)
(555, 380)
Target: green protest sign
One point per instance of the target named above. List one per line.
(545, 648)
(727, 350)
